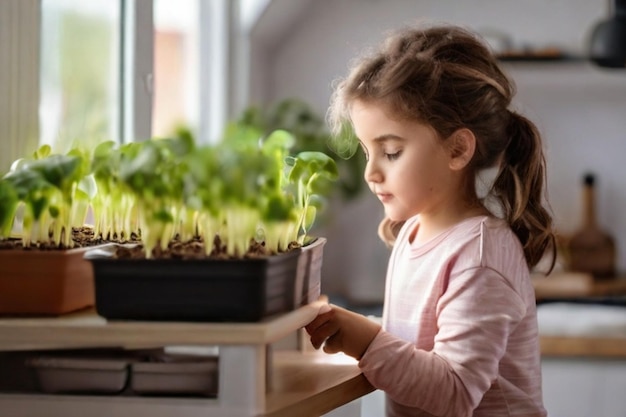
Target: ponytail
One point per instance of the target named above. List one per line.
(519, 188)
(388, 231)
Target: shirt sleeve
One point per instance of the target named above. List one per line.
(474, 318)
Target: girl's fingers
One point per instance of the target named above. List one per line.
(322, 333)
(318, 321)
(332, 344)
(323, 326)
(315, 324)
(317, 341)
(325, 308)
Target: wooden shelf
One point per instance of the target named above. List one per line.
(254, 379)
(541, 58)
(86, 329)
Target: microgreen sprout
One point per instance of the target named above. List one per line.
(246, 190)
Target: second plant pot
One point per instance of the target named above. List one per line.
(38, 282)
(210, 290)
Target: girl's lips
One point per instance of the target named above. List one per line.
(384, 197)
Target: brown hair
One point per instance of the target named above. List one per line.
(446, 77)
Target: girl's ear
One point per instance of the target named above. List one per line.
(462, 145)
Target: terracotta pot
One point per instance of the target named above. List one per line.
(49, 282)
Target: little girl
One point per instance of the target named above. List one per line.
(459, 337)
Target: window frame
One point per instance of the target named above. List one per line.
(136, 70)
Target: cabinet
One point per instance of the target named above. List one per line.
(255, 378)
(583, 344)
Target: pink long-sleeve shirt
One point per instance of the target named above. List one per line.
(459, 333)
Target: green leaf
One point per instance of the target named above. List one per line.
(38, 204)
(8, 207)
(162, 215)
(54, 211)
(240, 136)
(88, 186)
(58, 170)
(26, 182)
(279, 139)
(42, 152)
(278, 208)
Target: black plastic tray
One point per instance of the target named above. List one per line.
(246, 290)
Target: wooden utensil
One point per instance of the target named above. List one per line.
(592, 249)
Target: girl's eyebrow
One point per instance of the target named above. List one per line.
(388, 138)
(384, 139)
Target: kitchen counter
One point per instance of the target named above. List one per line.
(583, 346)
(580, 317)
(583, 358)
(582, 327)
(576, 285)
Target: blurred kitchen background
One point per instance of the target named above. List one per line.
(578, 107)
(76, 70)
(130, 70)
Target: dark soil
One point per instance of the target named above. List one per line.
(81, 238)
(176, 249)
(194, 249)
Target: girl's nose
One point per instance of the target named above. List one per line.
(372, 172)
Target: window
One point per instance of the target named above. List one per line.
(79, 72)
(176, 66)
(88, 71)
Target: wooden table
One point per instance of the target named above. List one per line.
(254, 378)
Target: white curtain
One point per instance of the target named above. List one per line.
(19, 79)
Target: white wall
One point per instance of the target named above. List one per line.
(317, 49)
(578, 107)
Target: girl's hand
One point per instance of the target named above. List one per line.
(341, 330)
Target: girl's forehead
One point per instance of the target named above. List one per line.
(372, 117)
(373, 128)
(364, 111)
(384, 109)
(362, 104)
(378, 115)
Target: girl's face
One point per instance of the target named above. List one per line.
(407, 165)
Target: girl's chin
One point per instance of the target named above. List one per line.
(396, 216)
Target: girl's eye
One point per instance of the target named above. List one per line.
(392, 156)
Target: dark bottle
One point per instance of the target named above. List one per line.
(592, 249)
